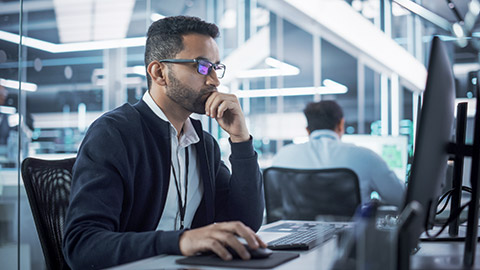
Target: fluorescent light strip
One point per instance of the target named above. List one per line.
(267, 72)
(335, 85)
(125, 80)
(279, 69)
(7, 110)
(15, 85)
(156, 16)
(296, 91)
(73, 47)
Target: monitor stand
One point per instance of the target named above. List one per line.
(472, 224)
(459, 151)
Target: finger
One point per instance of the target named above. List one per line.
(220, 250)
(260, 241)
(215, 100)
(223, 107)
(243, 231)
(228, 238)
(239, 248)
(226, 234)
(250, 237)
(213, 103)
(209, 101)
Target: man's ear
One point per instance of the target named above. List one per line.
(157, 72)
(308, 131)
(340, 128)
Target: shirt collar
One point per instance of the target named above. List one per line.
(189, 135)
(324, 133)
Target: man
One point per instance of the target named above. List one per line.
(149, 181)
(325, 150)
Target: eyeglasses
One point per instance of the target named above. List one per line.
(203, 66)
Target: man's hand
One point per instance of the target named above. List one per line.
(226, 109)
(216, 237)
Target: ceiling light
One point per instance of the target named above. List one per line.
(156, 16)
(279, 68)
(458, 30)
(335, 85)
(7, 110)
(296, 91)
(73, 47)
(99, 76)
(15, 85)
(460, 34)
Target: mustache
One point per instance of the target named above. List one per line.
(206, 92)
(209, 90)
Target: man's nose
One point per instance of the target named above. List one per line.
(212, 79)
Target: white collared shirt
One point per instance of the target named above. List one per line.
(170, 219)
(326, 150)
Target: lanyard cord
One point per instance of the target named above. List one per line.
(182, 207)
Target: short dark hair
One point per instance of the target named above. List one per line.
(164, 37)
(325, 114)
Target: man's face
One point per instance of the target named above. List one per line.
(190, 99)
(186, 86)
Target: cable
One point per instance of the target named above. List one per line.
(449, 220)
(447, 195)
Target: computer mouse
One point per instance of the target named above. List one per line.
(259, 253)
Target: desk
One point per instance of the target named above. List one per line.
(432, 255)
(307, 261)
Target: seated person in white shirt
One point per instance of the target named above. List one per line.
(325, 150)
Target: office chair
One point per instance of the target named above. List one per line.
(47, 184)
(300, 194)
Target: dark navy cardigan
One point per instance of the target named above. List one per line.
(120, 184)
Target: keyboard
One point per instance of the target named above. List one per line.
(306, 238)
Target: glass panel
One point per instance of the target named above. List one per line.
(372, 102)
(10, 203)
(334, 60)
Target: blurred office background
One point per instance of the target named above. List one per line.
(79, 58)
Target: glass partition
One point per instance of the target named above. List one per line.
(12, 197)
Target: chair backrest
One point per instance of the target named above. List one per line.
(299, 194)
(47, 184)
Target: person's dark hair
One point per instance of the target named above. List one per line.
(325, 114)
(164, 37)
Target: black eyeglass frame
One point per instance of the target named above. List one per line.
(211, 66)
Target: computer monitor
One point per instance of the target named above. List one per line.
(430, 157)
(392, 149)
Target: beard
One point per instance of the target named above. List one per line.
(187, 97)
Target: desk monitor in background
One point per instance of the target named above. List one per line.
(393, 149)
(430, 157)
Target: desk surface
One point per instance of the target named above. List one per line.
(431, 255)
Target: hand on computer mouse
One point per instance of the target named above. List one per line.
(258, 253)
(216, 237)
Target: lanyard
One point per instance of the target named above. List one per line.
(182, 207)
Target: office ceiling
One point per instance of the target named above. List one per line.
(74, 69)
